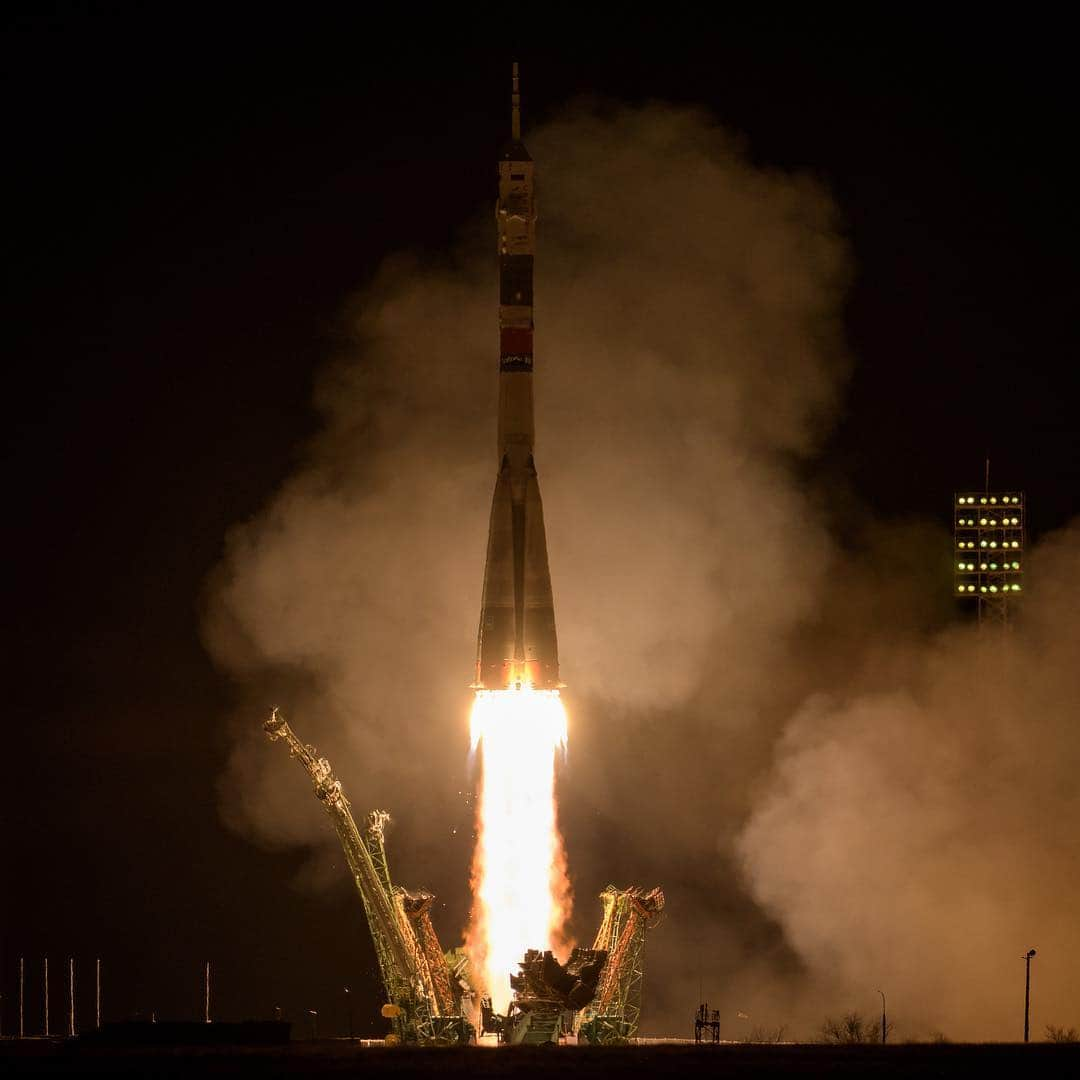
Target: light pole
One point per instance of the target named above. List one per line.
(1027, 990)
(348, 1002)
(314, 1014)
(884, 1025)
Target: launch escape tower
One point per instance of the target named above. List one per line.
(425, 1003)
(988, 547)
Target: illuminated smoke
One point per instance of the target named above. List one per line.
(763, 720)
(687, 351)
(919, 826)
(521, 890)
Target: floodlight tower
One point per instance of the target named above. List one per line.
(988, 551)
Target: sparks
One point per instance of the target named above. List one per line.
(520, 886)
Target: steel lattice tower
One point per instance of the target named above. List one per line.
(988, 549)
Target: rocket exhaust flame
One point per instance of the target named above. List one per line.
(521, 890)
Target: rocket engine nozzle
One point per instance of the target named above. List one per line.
(517, 675)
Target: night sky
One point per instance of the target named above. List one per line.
(191, 201)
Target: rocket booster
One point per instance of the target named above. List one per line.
(516, 644)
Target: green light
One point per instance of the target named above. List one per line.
(982, 543)
(993, 543)
(1016, 543)
(993, 588)
(1016, 566)
(961, 566)
(993, 498)
(983, 500)
(993, 521)
(982, 588)
(982, 521)
(1016, 588)
(971, 588)
(993, 566)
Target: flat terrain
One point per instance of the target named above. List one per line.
(340, 1058)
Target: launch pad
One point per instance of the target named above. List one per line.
(432, 999)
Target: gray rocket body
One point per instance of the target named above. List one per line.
(516, 644)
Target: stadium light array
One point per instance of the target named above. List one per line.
(995, 578)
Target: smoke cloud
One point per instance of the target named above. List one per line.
(923, 832)
(835, 792)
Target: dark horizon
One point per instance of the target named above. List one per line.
(193, 214)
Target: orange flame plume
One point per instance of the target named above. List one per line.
(520, 885)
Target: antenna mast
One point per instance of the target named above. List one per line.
(515, 107)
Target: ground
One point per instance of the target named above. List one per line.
(339, 1058)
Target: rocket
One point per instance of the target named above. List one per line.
(516, 644)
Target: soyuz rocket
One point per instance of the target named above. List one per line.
(516, 644)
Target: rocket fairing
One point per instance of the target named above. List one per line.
(516, 644)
